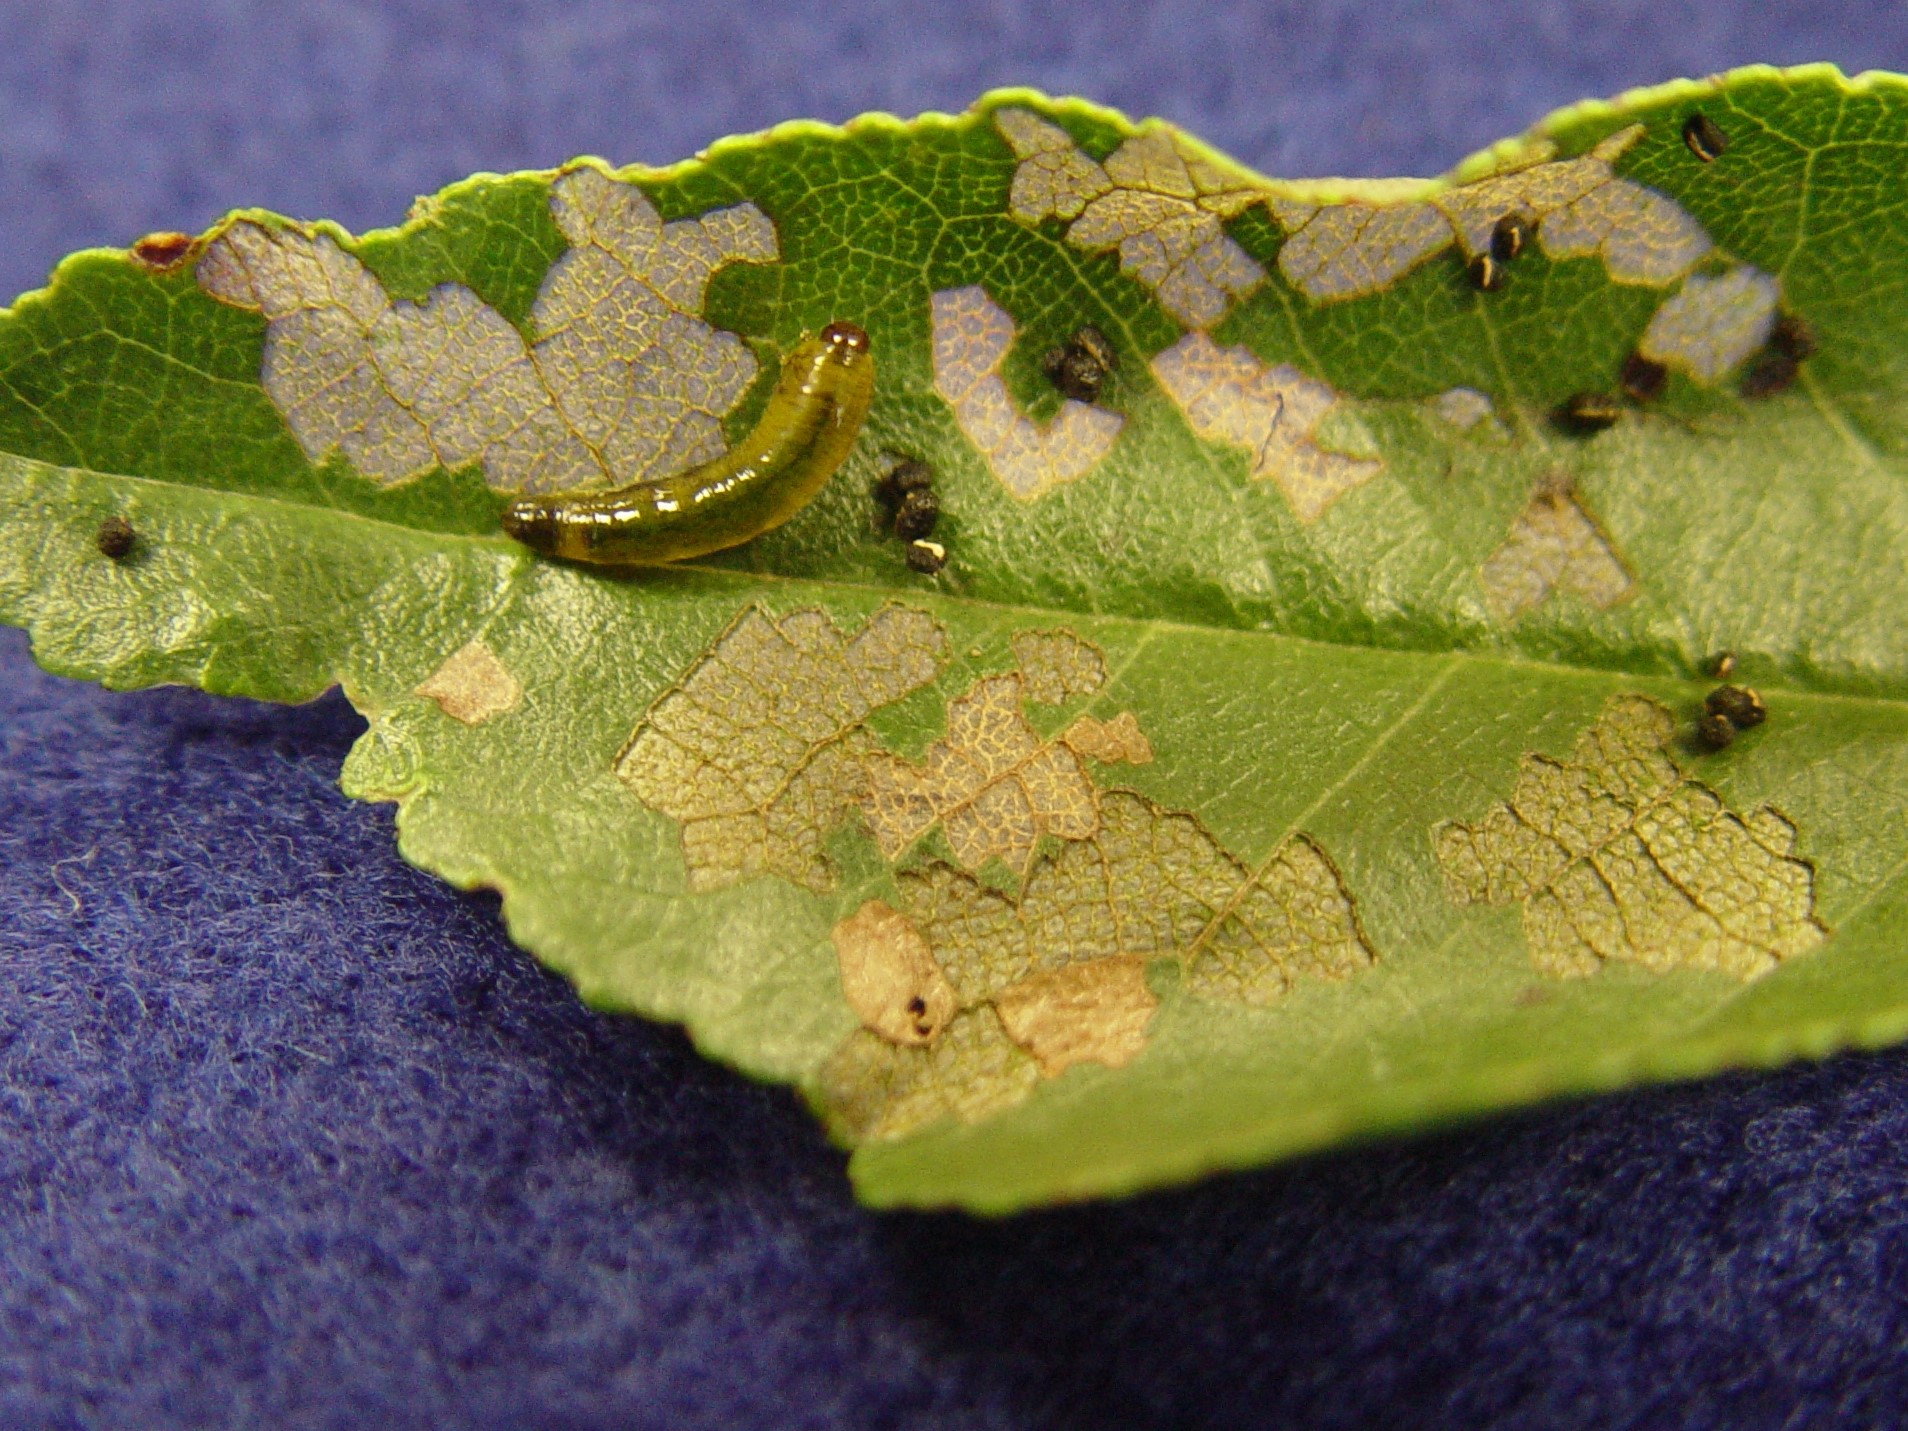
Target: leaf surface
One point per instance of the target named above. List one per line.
(1301, 739)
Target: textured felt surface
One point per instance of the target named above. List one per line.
(290, 1135)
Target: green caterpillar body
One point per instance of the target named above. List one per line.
(807, 429)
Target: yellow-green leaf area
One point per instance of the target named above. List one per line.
(1301, 739)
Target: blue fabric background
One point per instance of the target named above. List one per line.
(291, 1136)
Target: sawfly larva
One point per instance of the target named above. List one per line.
(808, 427)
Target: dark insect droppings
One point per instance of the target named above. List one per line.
(1792, 338)
(115, 538)
(1588, 412)
(1486, 273)
(1738, 705)
(1078, 367)
(1509, 236)
(916, 516)
(926, 557)
(1642, 378)
(1714, 731)
(905, 477)
(1702, 136)
(1770, 374)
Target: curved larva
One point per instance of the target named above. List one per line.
(808, 427)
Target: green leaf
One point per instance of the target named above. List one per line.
(1301, 739)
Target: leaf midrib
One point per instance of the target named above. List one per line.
(523, 560)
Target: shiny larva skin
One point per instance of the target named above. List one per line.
(808, 427)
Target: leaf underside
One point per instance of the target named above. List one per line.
(1301, 740)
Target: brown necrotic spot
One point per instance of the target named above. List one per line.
(874, 1090)
(162, 251)
(1704, 139)
(1585, 413)
(115, 538)
(1642, 378)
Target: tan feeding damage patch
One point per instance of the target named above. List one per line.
(972, 334)
(1616, 855)
(1063, 966)
(1712, 324)
(872, 1089)
(623, 382)
(1057, 665)
(993, 785)
(966, 996)
(1111, 742)
(1057, 970)
(1228, 395)
(759, 751)
(1085, 1013)
(1552, 545)
(889, 976)
(472, 685)
(1150, 884)
(1581, 208)
(1463, 408)
(1157, 200)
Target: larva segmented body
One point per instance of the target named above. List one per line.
(805, 432)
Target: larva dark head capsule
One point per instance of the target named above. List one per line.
(1585, 413)
(1702, 136)
(845, 339)
(534, 522)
